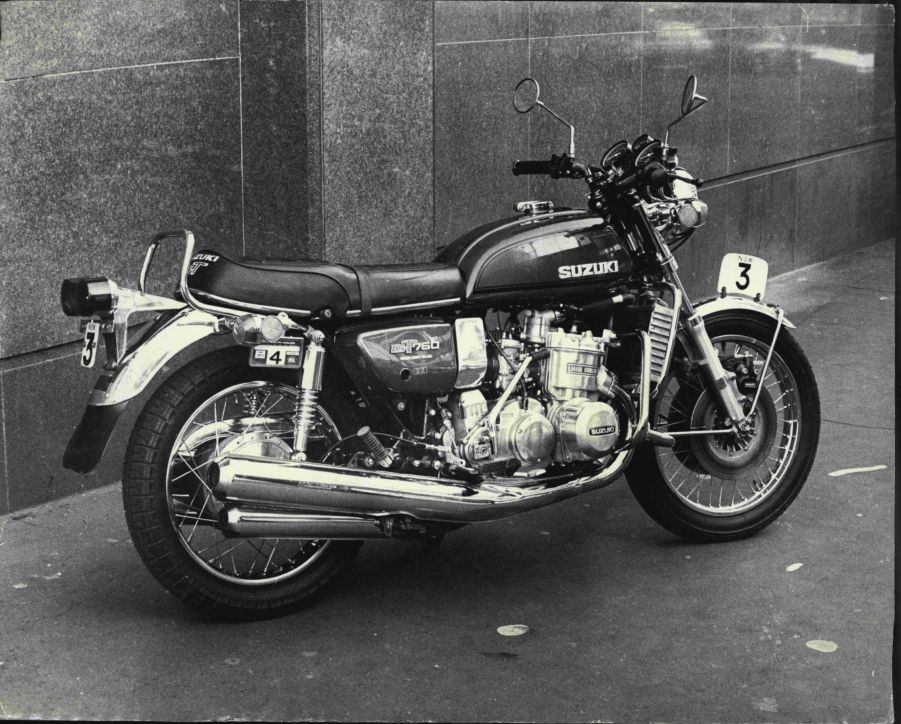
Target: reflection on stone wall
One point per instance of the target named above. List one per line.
(375, 130)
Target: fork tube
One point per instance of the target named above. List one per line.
(693, 323)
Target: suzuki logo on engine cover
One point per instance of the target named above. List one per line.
(602, 430)
(409, 346)
(574, 271)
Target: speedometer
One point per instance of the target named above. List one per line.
(616, 155)
(647, 154)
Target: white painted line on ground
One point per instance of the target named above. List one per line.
(851, 471)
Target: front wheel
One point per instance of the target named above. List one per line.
(212, 406)
(720, 487)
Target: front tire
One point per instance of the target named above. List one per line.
(173, 518)
(714, 488)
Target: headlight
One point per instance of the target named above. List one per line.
(82, 297)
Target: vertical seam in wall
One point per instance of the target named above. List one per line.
(641, 66)
(434, 136)
(322, 127)
(241, 127)
(3, 439)
(529, 73)
(729, 94)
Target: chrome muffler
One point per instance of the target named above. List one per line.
(260, 492)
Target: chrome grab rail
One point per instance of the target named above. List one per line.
(188, 238)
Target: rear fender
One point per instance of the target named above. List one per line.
(116, 388)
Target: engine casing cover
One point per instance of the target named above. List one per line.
(586, 430)
(526, 436)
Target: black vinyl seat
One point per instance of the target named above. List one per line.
(315, 288)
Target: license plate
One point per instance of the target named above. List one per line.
(275, 355)
(743, 274)
(91, 340)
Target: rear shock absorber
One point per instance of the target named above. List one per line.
(305, 409)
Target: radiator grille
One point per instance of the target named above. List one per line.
(661, 333)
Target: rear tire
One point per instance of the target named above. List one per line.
(163, 495)
(698, 463)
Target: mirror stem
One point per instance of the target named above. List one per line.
(572, 128)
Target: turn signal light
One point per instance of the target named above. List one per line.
(82, 297)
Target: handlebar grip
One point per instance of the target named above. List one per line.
(531, 167)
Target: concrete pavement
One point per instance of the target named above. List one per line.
(626, 622)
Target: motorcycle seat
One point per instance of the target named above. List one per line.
(321, 289)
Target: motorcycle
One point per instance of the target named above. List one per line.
(537, 358)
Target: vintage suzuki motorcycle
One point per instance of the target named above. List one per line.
(537, 358)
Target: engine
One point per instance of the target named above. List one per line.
(552, 411)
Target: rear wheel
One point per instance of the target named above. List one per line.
(215, 405)
(720, 487)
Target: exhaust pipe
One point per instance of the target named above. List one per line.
(286, 486)
(243, 523)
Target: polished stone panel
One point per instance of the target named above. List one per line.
(584, 18)
(58, 37)
(764, 15)
(478, 135)
(43, 403)
(92, 165)
(4, 481)
(457, 20)
(876, 83)
(827, 210)
(761, 218)
(876, 192)
(669, 57)
(831, 13)
(877, 14)
(670, 16)
(377, 130)
(764, 115)
(602, 100)
(831, 69)
(273, 93)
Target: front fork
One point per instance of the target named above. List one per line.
(717, 376)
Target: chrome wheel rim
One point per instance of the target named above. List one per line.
(253, 418)
(720, 475)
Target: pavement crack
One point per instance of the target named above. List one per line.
(855, 424)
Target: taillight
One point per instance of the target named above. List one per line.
(86, 297)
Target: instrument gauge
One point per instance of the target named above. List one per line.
(647, 154)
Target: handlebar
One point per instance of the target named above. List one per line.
(531, 167)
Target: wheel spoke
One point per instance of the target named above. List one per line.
(220, 427)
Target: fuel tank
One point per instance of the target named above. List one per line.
(549, 257)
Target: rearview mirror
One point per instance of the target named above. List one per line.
(691, 101)
(525, 95)
(525, 98)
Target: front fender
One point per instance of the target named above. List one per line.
(732, 303)
(114, 389)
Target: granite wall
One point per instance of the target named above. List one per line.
(377, 130)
